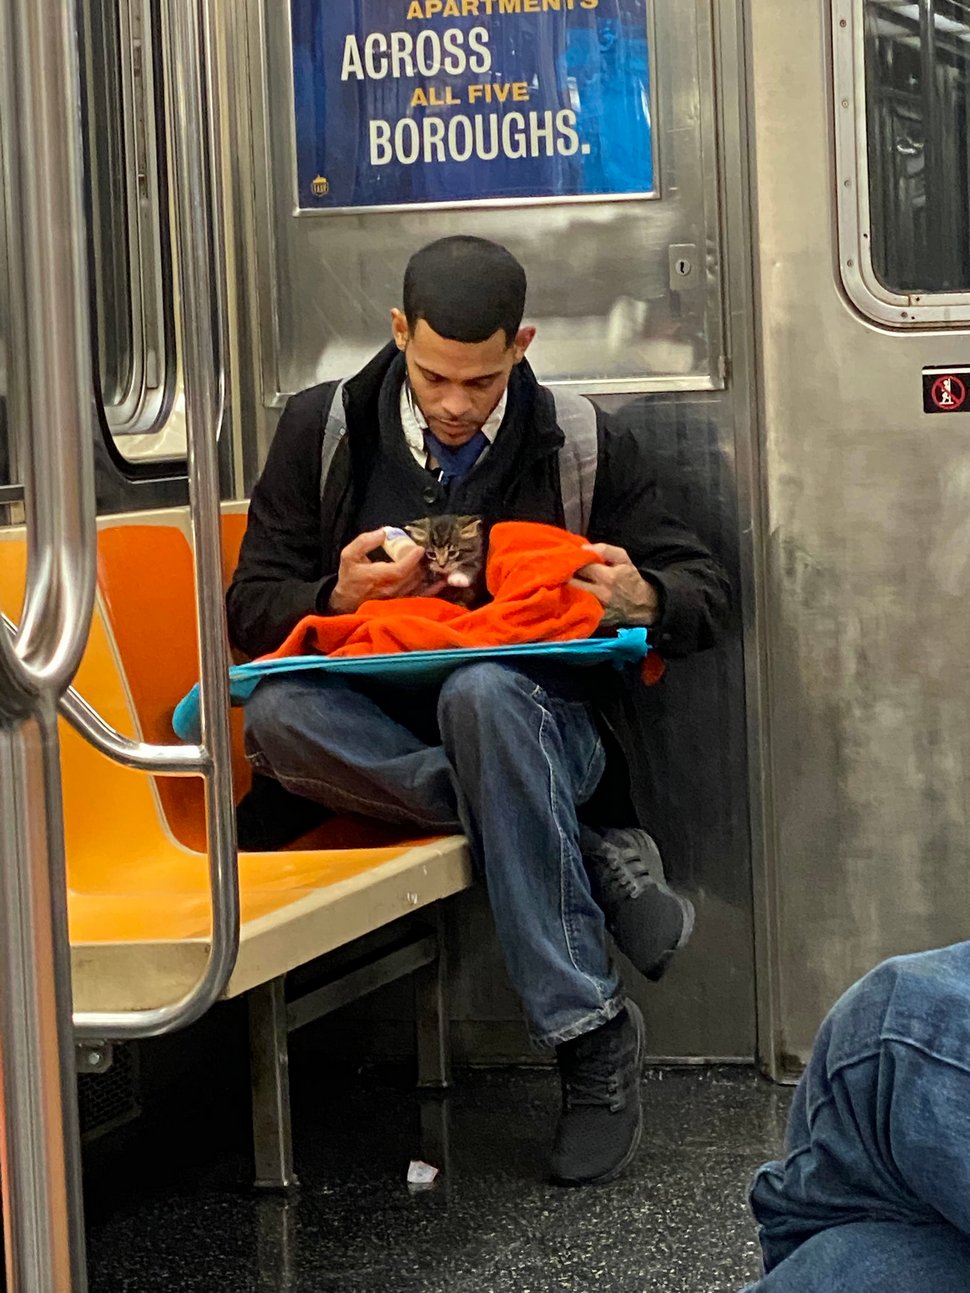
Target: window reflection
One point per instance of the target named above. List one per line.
(125, 154)
(8, 473)
(109, 203)
(918, 118)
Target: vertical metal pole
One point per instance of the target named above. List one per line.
(54, 409)
(43, 1222)
(51, 362)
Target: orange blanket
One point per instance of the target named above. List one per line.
(528, 573)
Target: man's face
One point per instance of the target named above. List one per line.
(457, 384)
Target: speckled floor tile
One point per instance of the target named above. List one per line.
(491, 1224)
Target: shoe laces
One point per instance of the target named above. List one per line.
(625, 871)
(593, 1078)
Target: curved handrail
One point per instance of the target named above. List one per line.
(42, 655)
(143, 756)
(58, 400)
(198, 210)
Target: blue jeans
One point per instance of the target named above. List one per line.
(874, 1196)
(494, 754)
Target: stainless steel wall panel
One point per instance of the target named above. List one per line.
(865, 568)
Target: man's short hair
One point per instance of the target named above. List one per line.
(465, 289)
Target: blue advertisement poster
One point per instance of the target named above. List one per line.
(400, 102)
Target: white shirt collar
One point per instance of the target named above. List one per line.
(415, 423)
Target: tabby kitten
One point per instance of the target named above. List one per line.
(455, 549)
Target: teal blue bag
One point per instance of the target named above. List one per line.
(417, 668)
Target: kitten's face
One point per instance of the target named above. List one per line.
(450, 541)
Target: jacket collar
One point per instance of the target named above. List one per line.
(362, 401)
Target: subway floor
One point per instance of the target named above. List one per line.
(176, 1213)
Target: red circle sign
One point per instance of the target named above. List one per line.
(949, 394)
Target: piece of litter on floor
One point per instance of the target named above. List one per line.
(421, 1173)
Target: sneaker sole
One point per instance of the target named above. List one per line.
(636, 1015)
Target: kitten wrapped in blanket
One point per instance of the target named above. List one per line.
(455, 549)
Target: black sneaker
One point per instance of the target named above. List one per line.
(602, 1118)
(648, 920)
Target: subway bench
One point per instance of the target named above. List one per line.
(342, 899)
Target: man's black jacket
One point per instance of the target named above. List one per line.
(288, 562)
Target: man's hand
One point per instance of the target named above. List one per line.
(360, 580)
(627, 597)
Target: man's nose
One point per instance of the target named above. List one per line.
(455, 404)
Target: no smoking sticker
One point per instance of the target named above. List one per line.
(946, 390)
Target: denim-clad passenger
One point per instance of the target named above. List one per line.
(874, 1196)
(449, 419)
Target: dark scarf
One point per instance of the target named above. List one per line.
(455, 462)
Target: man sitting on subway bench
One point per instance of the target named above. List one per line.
(506, 754)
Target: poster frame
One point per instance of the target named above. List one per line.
(302, 213)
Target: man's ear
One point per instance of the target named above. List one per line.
(399, 329)
(523, 340)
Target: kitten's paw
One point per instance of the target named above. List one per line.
(458, 580)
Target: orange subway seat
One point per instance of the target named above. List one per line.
(153, 624)
(131, 876)
(160, 665)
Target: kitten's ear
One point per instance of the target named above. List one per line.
(420, 531)
(472, 528)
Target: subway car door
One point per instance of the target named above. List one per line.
(602, 144)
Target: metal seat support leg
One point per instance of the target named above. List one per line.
(432, 1020)
(270, 1071)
